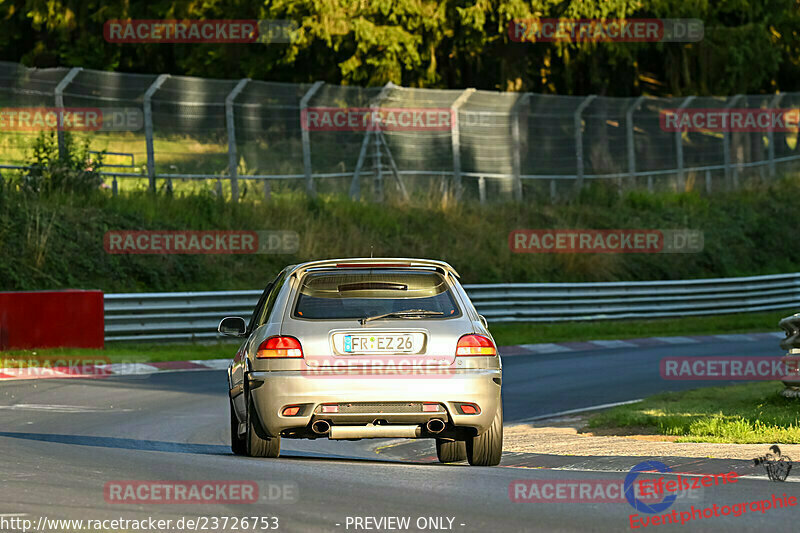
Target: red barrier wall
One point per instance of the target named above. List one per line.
(51, 319)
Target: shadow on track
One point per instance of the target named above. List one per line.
(124, 444)
(179, 447)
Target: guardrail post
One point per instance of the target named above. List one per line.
(148, 128)
(233, 160)
(306, 137)
(515, 111)
(578, 123)
(771, 136)
(629, 127)
(679, 147)
(455, 140)
(59, 100)
(726, 142)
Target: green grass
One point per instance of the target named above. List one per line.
(739, 414)
(56, 242)
(530, 333)
(125, 353)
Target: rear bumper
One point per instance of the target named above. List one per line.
(272, 391)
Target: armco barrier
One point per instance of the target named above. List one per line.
(194, 315)
(51, 319)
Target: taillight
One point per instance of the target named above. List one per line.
(275, 347)
(475, 345)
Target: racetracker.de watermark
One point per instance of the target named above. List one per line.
(606, 30)
(729, 368)
(173, 492)
(199, 31)
(201, 242)
(54, 367)
(730, 120)
(591, 241)
(71, 119)
(590, 491)
(378, 366)
(416, 119)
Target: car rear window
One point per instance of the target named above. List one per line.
(358, 293)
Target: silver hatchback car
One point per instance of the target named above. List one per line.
(366, 348)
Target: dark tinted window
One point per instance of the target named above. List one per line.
(273, 295)
(348, 294)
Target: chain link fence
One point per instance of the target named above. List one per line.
(246, 137)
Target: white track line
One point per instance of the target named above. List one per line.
(575, 411)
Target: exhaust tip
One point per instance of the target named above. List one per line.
(320, 427)
(435, 425)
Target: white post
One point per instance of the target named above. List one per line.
(455, 140)
(148, 129)
(59, 97)
(726, 141)
(771, 136)
(233, 160)
(355, 184)
(306, 138)
(679, 147)
(578, 124)
(515, 111)
(631, 140)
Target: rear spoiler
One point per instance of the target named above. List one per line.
(375, 262)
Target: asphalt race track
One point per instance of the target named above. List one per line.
(63, 440)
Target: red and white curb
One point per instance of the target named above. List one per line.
(649, 342)
(111, 369)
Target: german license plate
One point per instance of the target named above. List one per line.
(381, 343)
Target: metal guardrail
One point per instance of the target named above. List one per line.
(194, 315)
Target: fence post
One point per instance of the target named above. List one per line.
(515, 111)
(148, 129)
(306, 137)
(679, 147)
(59, 97)
(726, 142)
(629, 126)
(455, 140)
(233, 160)
(771, 136)
(578, 123)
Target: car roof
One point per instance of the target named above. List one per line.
(372, 262)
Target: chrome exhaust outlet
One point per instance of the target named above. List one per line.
(321, 427)
(435, 425)
(371, 431)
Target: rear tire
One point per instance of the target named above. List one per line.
(487, 449)
(258, 443)
(449, 451)
(238, 446)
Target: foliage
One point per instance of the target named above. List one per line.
(748, 46)
(76, 172)
(56, 240)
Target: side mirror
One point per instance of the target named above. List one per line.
(232, 325)
(483, 321)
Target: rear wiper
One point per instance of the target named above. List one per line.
(401, 314)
